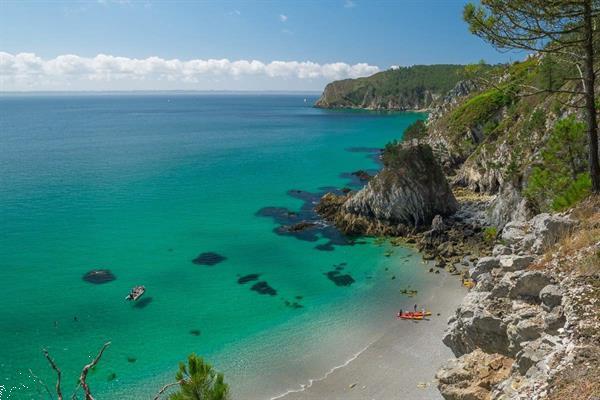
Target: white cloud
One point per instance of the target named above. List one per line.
(349, 4)
(283, 17)
(27, 71)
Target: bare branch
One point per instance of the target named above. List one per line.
(58, 373)
(85, 370)
(34, 376)
(164, 388)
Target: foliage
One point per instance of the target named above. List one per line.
(404, 85)
(554, 29)
(559, 180)
(489, 234)
(198, 381)
(416, 130)
(478, 109)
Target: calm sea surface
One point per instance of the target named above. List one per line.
(141, 185)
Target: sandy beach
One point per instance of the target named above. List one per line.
(401, 364)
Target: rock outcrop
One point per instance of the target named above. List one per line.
(515, 318)
(409, 191)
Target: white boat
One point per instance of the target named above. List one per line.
(136, 293)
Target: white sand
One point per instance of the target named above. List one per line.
(401, 364)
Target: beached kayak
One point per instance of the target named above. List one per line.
(413, 315)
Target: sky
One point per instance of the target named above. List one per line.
(225, 45)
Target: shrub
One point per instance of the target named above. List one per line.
(416, 130)
(560, 180)
(489, 234)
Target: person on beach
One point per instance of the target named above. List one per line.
(415, 308)
(400, 313)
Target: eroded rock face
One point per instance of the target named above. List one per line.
(474, 326)
(473, 375)
(411, 189)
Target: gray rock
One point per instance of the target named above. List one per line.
(501, 250)
(484, 265)
(474, 327)
(551, 296)
(509, 205)
(412, 190)
(485, 283)
(513, 231)
(549, 229)
(531, 354)
(503, 287)
(515, 262)
(554, 320)
(528, 284)
(523, 331)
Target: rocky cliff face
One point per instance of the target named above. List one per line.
(408, 192)
(409, 88)
(518, 330)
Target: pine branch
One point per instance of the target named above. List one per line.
(167, 386)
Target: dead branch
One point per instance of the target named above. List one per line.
(37, 378)
(58, 373)
(85, 370)
(164, 388)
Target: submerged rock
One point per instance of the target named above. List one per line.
(208, 258)
(263, 287)
(99, 276)
(248, 278)
(340, 279)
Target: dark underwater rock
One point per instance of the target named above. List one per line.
(247, 278)
(263, 287)
(208, 258)
(340, 279)
(99, 276)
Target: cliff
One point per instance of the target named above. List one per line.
(406, 88)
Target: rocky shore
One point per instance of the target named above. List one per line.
(532, 313)
(520, 328)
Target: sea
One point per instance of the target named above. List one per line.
(197, 197)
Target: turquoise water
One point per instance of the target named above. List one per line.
(141, 185)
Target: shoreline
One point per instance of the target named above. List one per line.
(390, 365)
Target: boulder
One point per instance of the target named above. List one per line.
(551, 296)
(513, 232)
(515, 262)
(472, 376)
(485, 283)
(524, 331)
(549, 229)
(501, 250)
(528, 284)
(474, 326)
(532, 353)
(502, 288)
(554, 320)
(484, 265)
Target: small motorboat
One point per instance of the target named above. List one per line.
(136, 293)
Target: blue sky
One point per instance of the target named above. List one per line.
(361, 36)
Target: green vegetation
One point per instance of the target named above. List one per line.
(489, 234)
(405, 87)
(478, 110)
(565, 29)
(198, 381)
(416, 130)
(560, 180)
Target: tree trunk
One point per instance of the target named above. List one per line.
(590, 98)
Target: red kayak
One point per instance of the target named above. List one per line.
(413, 315)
